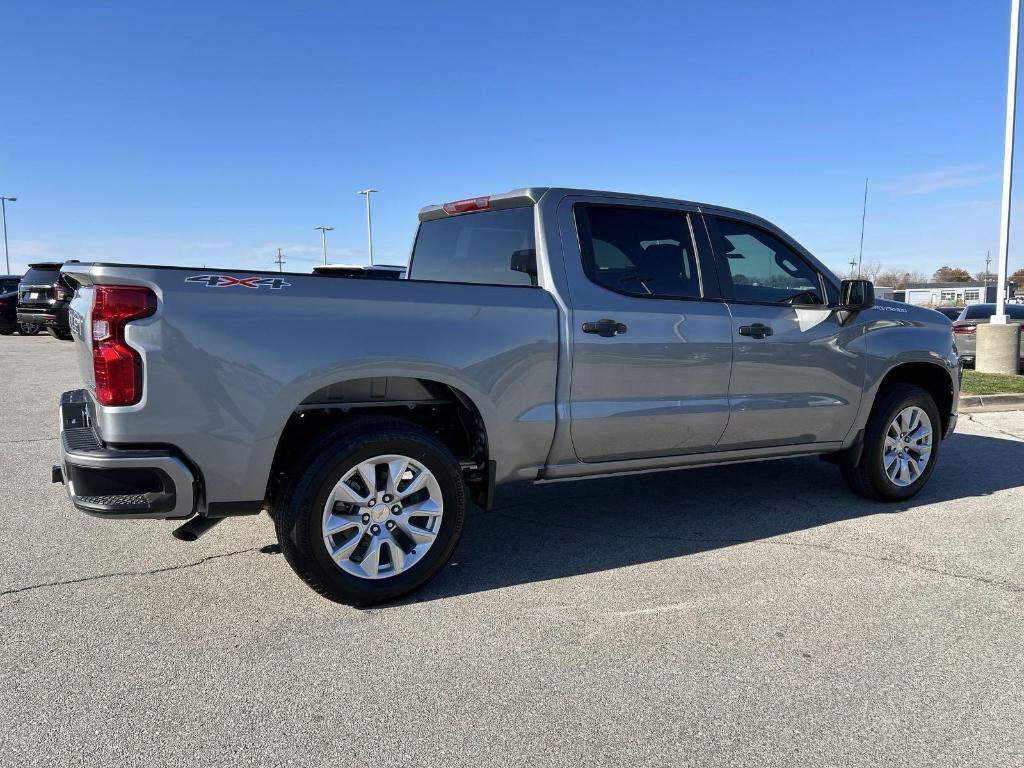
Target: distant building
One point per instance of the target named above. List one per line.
(884, 292)
(949, 294)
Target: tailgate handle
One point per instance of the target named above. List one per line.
(604, 327)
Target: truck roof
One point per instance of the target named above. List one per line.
(523, 196)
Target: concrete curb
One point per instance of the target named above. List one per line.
(973, 403)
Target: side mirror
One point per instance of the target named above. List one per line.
(856, 295)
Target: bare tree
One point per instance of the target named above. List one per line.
(898, 278)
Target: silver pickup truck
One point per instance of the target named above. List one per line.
(542, 334)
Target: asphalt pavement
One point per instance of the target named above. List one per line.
(753, 615)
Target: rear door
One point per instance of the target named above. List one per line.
(651, 342)
(798, 372)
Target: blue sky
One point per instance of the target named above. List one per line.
(214, 133)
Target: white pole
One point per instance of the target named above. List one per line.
(370, 229)
(1004, 220)
(369, 220)
(323, 236)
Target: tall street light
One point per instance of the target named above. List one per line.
(1004, 219)
(3, 206)
(323, 236)
(369, 220)
(998, 341)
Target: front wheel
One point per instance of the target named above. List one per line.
(371, 512)
(901, 445)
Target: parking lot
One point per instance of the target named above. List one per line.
(747, 615)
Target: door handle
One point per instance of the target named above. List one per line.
(756, 331)
(604, 327)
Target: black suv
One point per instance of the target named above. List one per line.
(8, 304)
(43, 299)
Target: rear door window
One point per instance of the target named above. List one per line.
(645, 252)
(491, 247)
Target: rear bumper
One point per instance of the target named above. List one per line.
(48, 317)
(118, 483)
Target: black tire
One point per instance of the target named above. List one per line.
(6, 331)
(28, 329)
(59, 334)
(868, 477)
(298, 507)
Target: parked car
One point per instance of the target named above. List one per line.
(44, 298)
(8, 304)
(542, 334)
(965, 329)
(951, 312)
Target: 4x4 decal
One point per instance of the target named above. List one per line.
(225, 281)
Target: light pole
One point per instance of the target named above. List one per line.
(3, 206)
(1004, 219)
(323, 236)
(997, 341)
(279, 261)
(369, 220)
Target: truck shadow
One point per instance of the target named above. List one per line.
(538, 533)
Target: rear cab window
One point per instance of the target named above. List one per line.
(494, 247)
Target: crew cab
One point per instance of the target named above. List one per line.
(541, 334)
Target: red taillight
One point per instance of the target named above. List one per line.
(118, 367)
(61, 292)
(964, 328)
(465, 206)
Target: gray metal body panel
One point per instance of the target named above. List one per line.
(226, 367)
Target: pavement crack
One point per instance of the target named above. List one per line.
(118, 574)
(1007, 586)
(983, 425)
(27, 440)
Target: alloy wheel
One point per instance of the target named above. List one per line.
(908, 446)
(382, 517)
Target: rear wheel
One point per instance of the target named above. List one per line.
(371, 512)
(6, 331)
(28, 329)
(59, 334)
(901, 445)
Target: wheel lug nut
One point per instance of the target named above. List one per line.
(390, 525)
(387, 499)
(374, 529)
(366, 518)
(396, 510)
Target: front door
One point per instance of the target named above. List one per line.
(798, 371)
(651, 344)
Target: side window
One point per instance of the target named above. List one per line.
(638, 251)
(762, 268)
